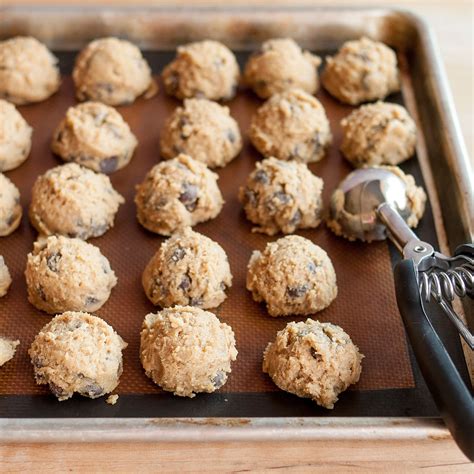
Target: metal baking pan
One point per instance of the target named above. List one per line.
(391, 401)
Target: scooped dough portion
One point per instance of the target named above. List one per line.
(112, 71)
(378, 134)
(291, 126)
(203, 130)
(15, 137)
(202, 69)
(64, 274)
(282, 196)
(186, 350)
(292, 276)
(7, 349)
(74, 201)
(96, 136)
(28, 71)
(280, 64)
(362, 71)
(313, 360)
(5, 278)
(10, 207)
(177, 193)
(77, 352)
(188, 269)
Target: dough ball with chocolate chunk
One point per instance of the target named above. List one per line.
(96, 136)
(282, 196)
(64, 274)
(7, 349)
(292, 276)
(28, 71)
(5, 277)
(361, 71)
(112, 71)
(291, 126)
(202, 69)
(77, 353)
(10, 207)
(203, 130)
(188, 269)
(15, 137)
(177, 193)
(279, 65)
(186, 350)
(313, 360)
(74, 201)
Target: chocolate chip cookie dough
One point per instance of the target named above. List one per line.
(292, 276)
(177, 193)
(15, 137)
(28, 71)
(280, 64)
(378, 134)
(203, 130)
(5, 277)
(7, 349)
(10, 207)
(96, 136)
(188, 269)
(186, 350)
(362, 71)
(291, 126)
(112, 71)
(74, 201)
(282, 196)
(77, 352)
(202, 69)
(64, 274)
(313, 360)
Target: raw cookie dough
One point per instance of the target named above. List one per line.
(313, 360)
(77, 352)
(202, 69)
(74, 201)
(64, 274)
(279, 65)
(177, 193)
(28, 71)
(362, 70)
(10, 207)
(188, 269)
(7, 349)
(186, 350)
(96, 136)
(282, 196)
(291, 126)
(5, 277)
(15, 137)
(416, 200)
(378, 134)
(204, 130)
(112, 71)
(292, 276)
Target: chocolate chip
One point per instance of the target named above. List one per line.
(109, 165)
(91, 300)
(250, 197)
(315, 355)
(195, 301)
(297, 291)
(52, 261)
(219, 379)
(261, 176)
(37, 362)
(93, 390)
(296, 219)
(312, 267)
(282, 197)
(231, 136)
(56, 390)
(223, 286)
(189, 196)
(185, 283)
(41, 293)
(11, 219)
(105, 87)
(178, 254)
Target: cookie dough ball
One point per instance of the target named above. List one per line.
(77, 352)
(202, 69)
(73, 201)
(279, 65)
(28, 71)
(362, 71)
(188, 269)
(378, 134)
(5, 277)
(65, 274)
(7, 349)
(96, 136)
(313, 360)
(282, 196)
(112, 71)
(15, 137)
(186, 350)
(204, 130)
(177, 193)
(291, 126)
(10, 208)
(292, 276)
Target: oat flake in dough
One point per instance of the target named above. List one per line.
(10, 207)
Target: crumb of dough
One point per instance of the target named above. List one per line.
(112, 399)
